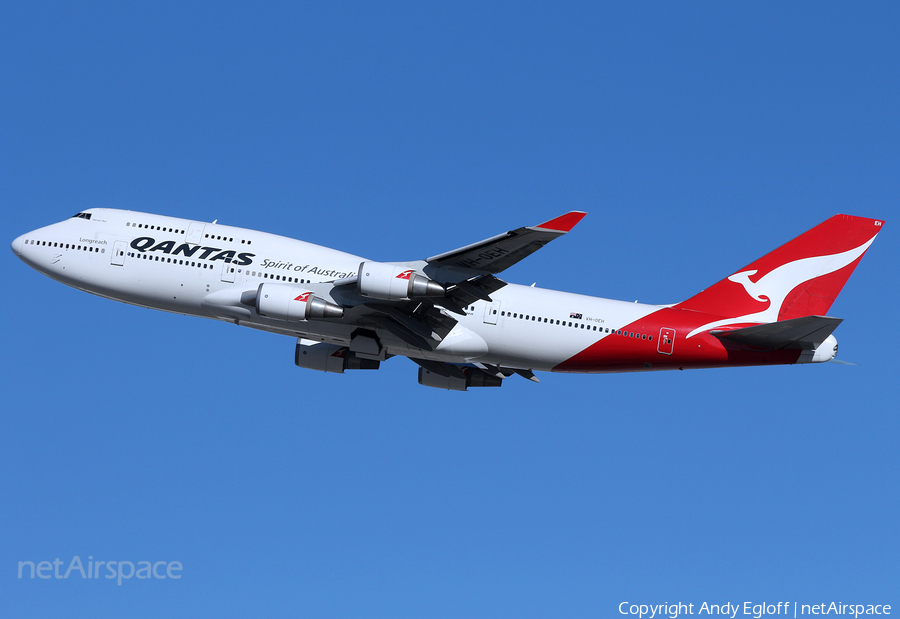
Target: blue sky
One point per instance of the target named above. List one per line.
(697, 136)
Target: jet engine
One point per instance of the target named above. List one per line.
(283, 302)
(378, 280)
(330, 358)
(474, 377)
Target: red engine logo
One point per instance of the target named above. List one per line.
(405, 274)
(303, 297)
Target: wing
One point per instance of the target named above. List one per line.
(500, 252)
(480, 261)
(454, 280)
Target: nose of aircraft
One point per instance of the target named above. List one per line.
(17, 245)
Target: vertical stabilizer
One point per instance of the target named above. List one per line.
(801, 278)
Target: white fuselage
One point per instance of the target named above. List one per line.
(201, 269)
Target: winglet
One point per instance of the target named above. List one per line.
(563, 223)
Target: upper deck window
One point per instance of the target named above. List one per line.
(83, 215)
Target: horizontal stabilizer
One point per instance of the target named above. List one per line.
(805, 333)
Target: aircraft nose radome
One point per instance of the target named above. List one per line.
(17, 245)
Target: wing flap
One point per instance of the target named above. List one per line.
(473, 289)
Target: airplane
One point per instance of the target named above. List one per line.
(451, 314)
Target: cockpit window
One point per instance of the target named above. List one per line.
(82, 215)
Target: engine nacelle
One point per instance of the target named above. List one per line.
(475, 377)
(378, 280)
(330, 358)
(292, 303)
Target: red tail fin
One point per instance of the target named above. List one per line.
(801, 278)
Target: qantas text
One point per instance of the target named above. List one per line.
(146, 243)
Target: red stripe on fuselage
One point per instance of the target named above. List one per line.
(624, 353)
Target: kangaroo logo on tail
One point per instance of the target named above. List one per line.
(774, 286)
(801, 278)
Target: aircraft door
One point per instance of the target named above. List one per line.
(666, 342)
(491, 312)
(194, 233)
(117, 258)
(228, 272)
